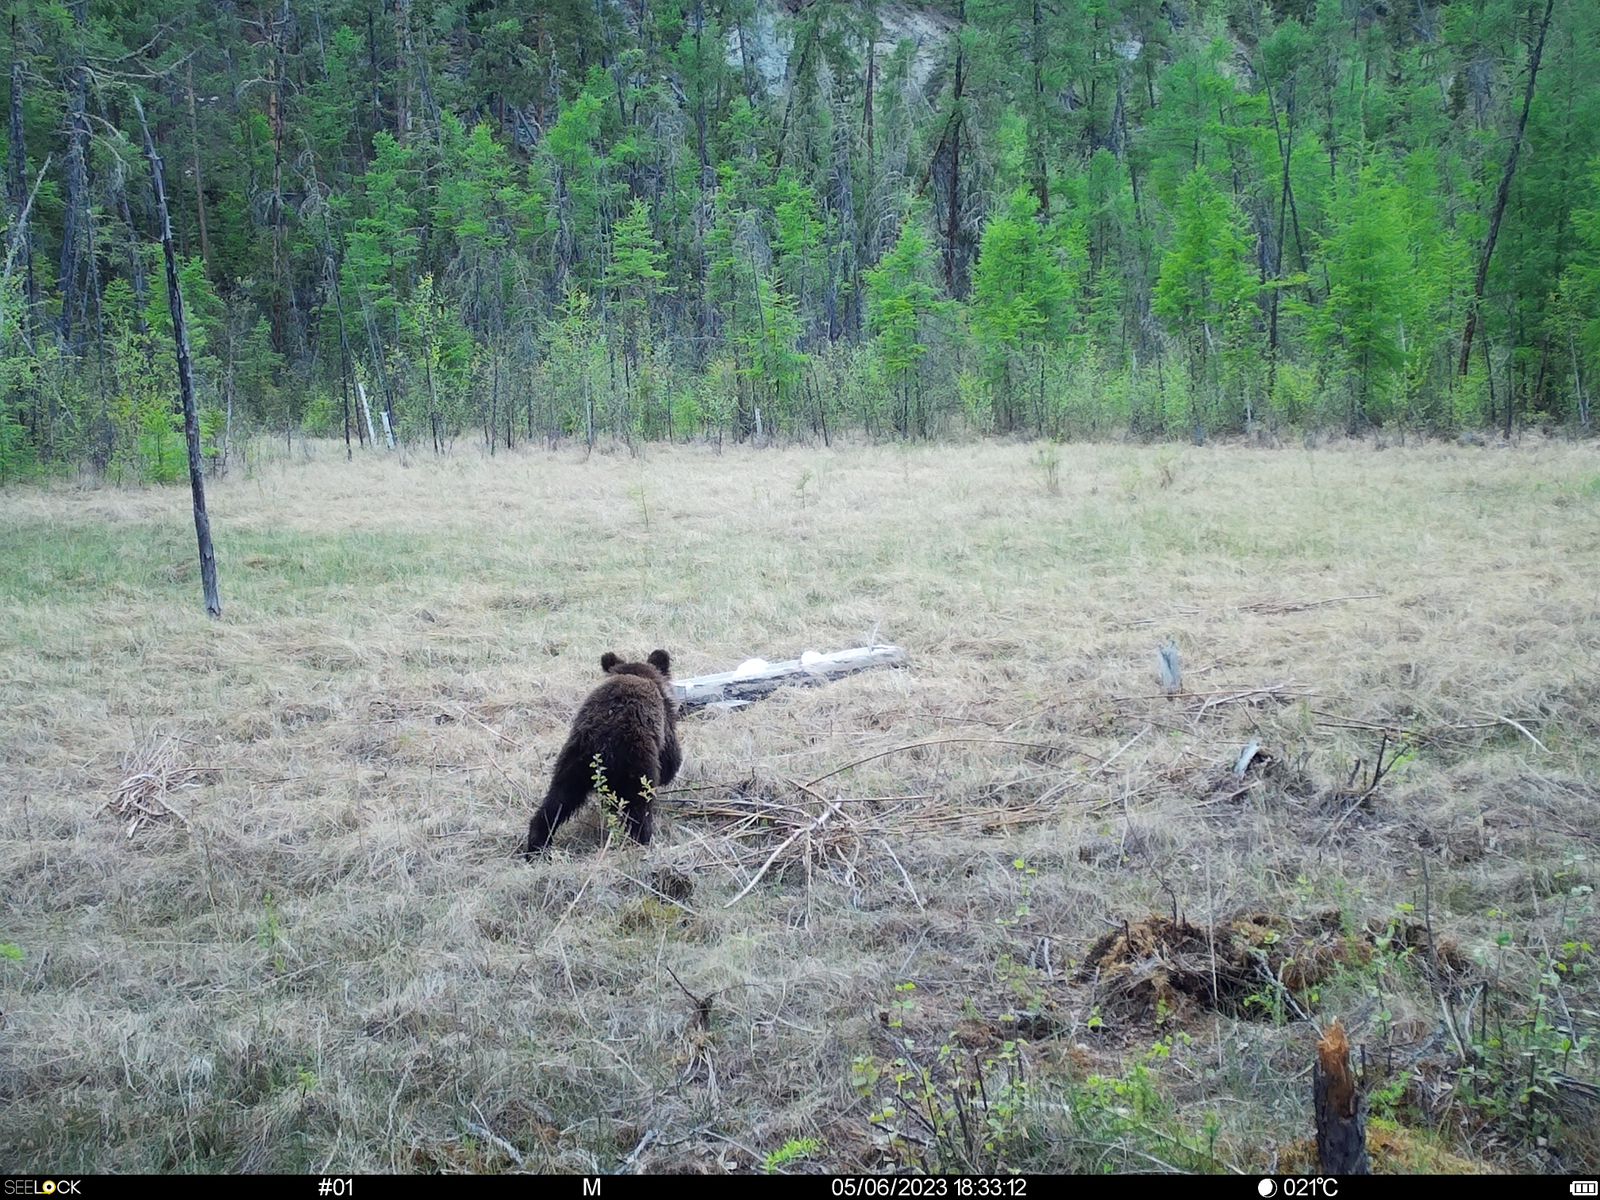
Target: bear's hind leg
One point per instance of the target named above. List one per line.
(638, 804)
(671, 757)
(569, 787)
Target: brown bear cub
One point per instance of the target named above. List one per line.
(630, 721)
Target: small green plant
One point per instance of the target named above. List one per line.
(11, 950)
(864, 1074)
(903, 1005)
(802, 493)
(269, 933)
(1024, 907)
(1269, 999)
(1129, 1111)
(1047, 461)
(610, 802)
(961, 1114)
(1024, 984)
(792, 1151)
(1525, 1044)
(1386, 1099)
(637, 493)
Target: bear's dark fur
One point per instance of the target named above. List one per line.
(630, 721)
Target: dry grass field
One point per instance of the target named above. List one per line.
(261, 907)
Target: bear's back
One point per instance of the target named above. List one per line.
(627, 706)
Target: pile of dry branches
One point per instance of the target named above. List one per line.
(846, 838)
(153, 774)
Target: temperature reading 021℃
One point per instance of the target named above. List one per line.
(1299, 1187)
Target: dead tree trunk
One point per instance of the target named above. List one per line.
(366, 412)
(953, 203)
(1340, 1107)
(118, 186)
(75, 253)
(19, 233)
(1504, 192)
(17, 180)
(199, 179)
(283, 323)
(180, 338)
(758, 678)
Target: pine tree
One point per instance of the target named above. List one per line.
(901, 299)
(1205, 290)
(1361, 321)
(1021, 301)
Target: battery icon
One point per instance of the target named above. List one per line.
(1585, 1187)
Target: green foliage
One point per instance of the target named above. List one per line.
(960, 1112)
(1024, 294)
(1165, 220)
(1361, 323)
(1525, 1046)
(634, 276)
(792, 1151)
(1204, 294)
(1577, 309)
(269, 932)
(610, 803)
(902, 302)
(381, 249)
(1129, 1113)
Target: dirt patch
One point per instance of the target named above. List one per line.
(1250, 965)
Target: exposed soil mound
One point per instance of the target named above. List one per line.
(1242, 966)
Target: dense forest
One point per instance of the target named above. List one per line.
(435, 221)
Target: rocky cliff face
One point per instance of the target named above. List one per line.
(767, 40)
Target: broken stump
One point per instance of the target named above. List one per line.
(1340, 1107)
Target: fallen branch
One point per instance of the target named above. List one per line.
(779, 849)
(1275, 607)
(852, 839)
(702, 1004)
(1331, 720)
(1520, 728)
(1118, 753)
(736, 688)
(930, 742)
(494, 1139)
(1221, 696)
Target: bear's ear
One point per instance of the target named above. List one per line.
(609, 660)
(659, 660)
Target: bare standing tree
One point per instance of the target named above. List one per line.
(180, 337)
(17, 186)
(76, 254)
(1500, 198)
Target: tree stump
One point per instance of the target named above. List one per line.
(1341, 1108)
